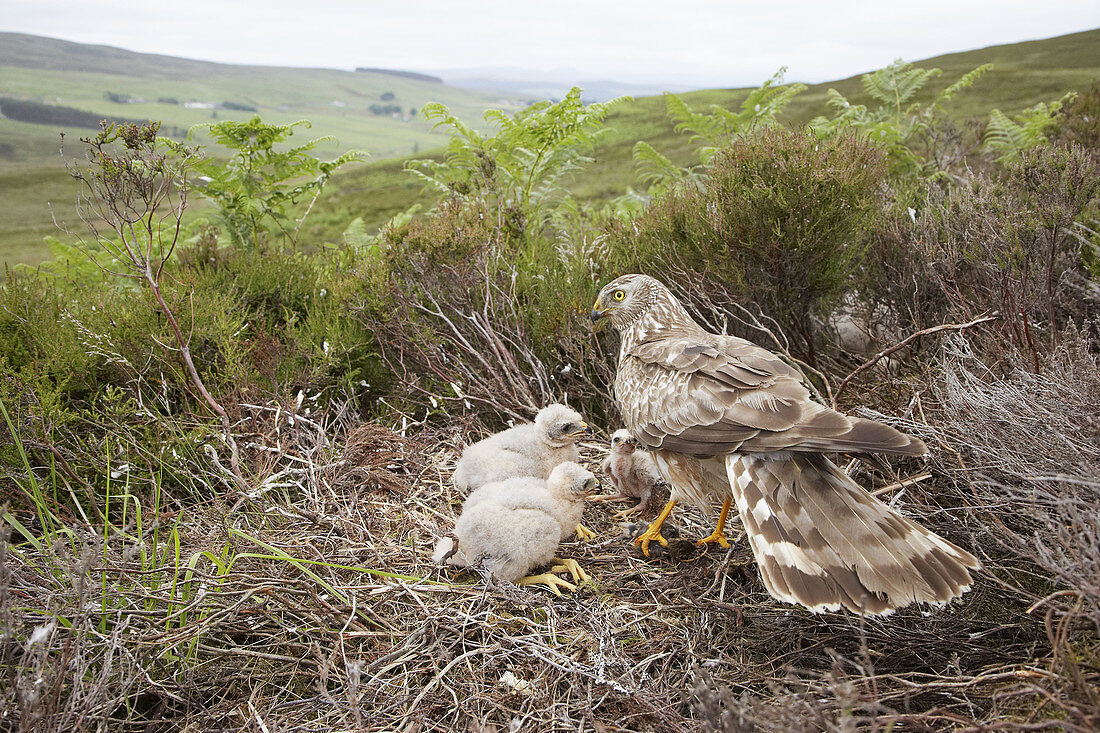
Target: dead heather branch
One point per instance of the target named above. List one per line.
(139, 193)
(953, 327)
(466, 344)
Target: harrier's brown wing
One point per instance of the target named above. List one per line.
(704, 394)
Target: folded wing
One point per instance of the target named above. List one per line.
(705, 395)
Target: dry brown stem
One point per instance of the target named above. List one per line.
(901, 345)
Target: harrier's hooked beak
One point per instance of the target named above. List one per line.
(581, 430)
(597, 313)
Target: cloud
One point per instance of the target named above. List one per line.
(692, 42)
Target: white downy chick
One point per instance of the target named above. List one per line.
(633, 474)
(530, 449)
(512, 526)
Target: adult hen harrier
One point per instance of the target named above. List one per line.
(725, 418)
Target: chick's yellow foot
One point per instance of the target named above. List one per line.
(550, 580)
(584, 533)
(717, 537)
(627, 512)
(572, 567)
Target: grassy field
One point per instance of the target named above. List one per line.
(32, 174)
(1024, 74)
(337, 103)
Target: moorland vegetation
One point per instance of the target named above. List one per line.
(230, 446)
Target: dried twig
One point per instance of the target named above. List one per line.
(901, 345)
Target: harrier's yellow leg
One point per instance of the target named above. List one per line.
(718, 535)
(653, 532)
(572, 567)
(584, 533)
(550, 580)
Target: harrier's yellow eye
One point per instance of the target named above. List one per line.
(618, 295)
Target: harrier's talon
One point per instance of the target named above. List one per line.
(572, 567)
(653, 532)
(718, 536)
(584, 533)
(550, 580)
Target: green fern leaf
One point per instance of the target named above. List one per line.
(653, 168)
(967, 80)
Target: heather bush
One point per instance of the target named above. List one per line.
(1003, 244)
(783, 224)
(1020, 444)
(471, 320)
(1037, 458)
(163, 314)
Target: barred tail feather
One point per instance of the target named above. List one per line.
(823, 542)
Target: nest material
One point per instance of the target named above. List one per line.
(333, 617)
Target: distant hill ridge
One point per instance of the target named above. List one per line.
(41, 52)
(403, 74)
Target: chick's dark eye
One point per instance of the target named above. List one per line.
(618, 295)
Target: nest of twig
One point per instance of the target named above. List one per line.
(317, 607)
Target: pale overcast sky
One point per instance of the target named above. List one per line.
(690, 42)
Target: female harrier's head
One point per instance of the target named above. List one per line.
(626, 299)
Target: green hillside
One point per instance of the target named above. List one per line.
(100, 80)
(57, 73)
(84, 77)
(1024, 74)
